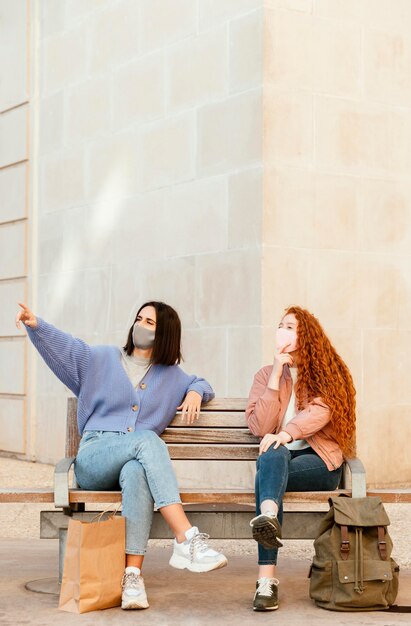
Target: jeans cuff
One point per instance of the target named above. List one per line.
(135, 552)
(159, 505)
(270, 562)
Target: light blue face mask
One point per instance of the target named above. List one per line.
(143, 338)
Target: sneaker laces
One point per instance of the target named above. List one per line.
(131, 580)
(198, 543)
(265, 587)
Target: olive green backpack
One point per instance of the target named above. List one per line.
(352, 569)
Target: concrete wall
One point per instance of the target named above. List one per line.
(230, 157)
(14, 192)
(337, 199)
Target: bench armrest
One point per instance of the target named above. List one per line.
(61, 482)
(358, 482)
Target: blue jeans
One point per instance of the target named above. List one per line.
(284, 470)
(140, 465)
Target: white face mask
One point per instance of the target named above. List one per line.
(143, 338)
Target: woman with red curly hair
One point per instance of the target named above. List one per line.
(303, 407)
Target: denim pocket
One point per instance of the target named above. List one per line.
(89, 437)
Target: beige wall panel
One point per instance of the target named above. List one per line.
(304, 6)
(288, 128)
(362, 137)
(135, 232)
(379, 285)
(13, 53)
(87, 110)
(13, 190)
(12, 246)
(289, 207)
(246, 51)
(168, 151)
(163, 23)
(386, 356)
(387, 66)
(128, 296)
(52, 15)
(115, 35)
(10, 294)
(205, 354)
(13, 136)
(229, 134)
(12, 425)
(243, 359)
(63, 59)
(197, 70)
(62, 180)
(337, 213)
(228, 288)
(333, 288)
(113, 166)
(285, 273)
(198, 209)
(51, 427)
(139, 91)
(387, 456)
(245, 203)
(216, 11)
(12, 366)
(51, 123)
(386, 220)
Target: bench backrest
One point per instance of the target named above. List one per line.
(220, 433)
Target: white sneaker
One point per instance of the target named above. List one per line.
(195, 555)
(133, 591)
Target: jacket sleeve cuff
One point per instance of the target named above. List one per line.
(294, 431)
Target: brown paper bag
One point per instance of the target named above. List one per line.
(93, 565)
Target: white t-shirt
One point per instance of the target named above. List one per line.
(290, 413)
(136, 367)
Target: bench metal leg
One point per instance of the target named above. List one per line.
(51, 585)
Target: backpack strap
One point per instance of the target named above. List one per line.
(345, 544)
(382, 544)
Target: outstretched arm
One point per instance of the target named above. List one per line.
(66, 356)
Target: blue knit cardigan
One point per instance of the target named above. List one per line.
(106, 398)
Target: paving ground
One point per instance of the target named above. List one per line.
(222, 597)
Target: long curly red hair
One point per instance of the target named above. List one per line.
(323, 373)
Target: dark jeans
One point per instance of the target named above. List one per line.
(284, 470)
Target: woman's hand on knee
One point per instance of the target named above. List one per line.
(268, 440)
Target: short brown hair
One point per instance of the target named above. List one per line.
(167, 340)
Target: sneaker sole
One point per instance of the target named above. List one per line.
(180, 563)
(133, 604)
(266, 534)
(268, 608)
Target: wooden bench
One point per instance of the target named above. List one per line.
(220, 434)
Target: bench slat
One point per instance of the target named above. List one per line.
(228, 419)
(207, 435)
(226, 404)
(213, 452)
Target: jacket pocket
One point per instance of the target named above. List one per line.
(321, 580)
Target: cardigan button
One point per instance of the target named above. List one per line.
(130, 429)
(134, 407)
(143, 385)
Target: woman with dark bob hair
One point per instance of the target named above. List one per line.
(126, 398)
(303, 408)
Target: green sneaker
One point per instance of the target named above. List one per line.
(266, 595)
(267, 530)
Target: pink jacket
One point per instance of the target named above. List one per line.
(266, 409)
